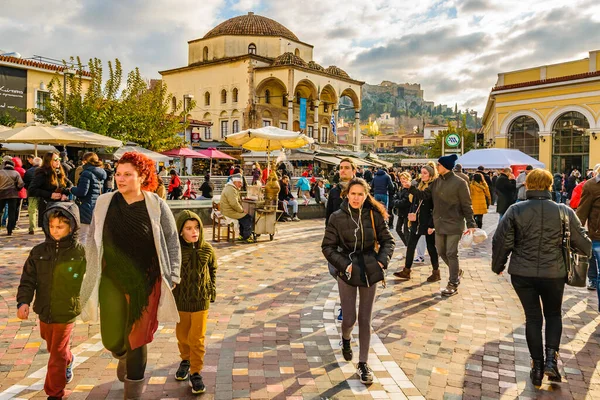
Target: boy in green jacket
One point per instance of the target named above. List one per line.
(193, 296)
(53, 273)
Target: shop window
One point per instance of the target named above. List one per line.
(207, 133)
(523, 135)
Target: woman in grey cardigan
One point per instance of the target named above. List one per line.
(133, 257)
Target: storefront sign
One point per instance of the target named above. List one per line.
(13, 92)
(302, 113)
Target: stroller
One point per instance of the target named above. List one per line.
(188, 193)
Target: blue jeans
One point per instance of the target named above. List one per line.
(382, 198)
(4, 216)
(594, 265)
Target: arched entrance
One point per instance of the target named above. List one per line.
(523, 136)
(571, 145)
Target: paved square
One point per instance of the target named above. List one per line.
(272, 333)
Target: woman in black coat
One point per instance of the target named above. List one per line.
(89, 187)
(401, 205)
(506, 188)
(49, 183)
(423, 210)
(350, 245)
(531, 233)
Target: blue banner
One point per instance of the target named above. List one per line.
(302, 113)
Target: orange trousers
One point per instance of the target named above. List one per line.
(191, 332)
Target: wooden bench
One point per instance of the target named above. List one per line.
(218, 221)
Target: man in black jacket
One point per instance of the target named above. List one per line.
(506, 188)
(32, 202)
(451, 208)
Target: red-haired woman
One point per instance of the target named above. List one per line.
(133, 260)
(49, 183)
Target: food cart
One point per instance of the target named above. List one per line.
(261, 202)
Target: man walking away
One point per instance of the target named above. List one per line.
(521, 196)
(506, 188)
(458, 170)
(451, 208)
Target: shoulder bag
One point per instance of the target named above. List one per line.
(413, 216)
(575, 263)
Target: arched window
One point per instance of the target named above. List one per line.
(268, 96)
(297, 52)
(571, 146)
(234, 95)
(223, 96)
(252, 48)
(174, 104)
(205, 54)
(235, 126)
(207, 99)
(523, 135)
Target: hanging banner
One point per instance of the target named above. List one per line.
(13, 92)
(302, 113)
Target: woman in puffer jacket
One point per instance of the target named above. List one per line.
(531, 234)
(480, 198)
(349, 244)
(89, 187)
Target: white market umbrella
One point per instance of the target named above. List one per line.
(4, 128)
(156, 157)
(497, 158)
(268, 138)
(41, 134)
(27, 148)
(99, 140)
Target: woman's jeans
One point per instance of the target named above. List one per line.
(412, 245)
(596, 254)
(550, 290)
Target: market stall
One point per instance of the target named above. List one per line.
(497, 158)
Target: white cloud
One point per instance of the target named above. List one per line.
(454, 48)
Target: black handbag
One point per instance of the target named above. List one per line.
(576, 264)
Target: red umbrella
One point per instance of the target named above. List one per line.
(214, 153)
(183, 152)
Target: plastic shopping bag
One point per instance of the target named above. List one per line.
(467, 240)
(479, 236)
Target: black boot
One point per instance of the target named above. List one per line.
(346, 349)
(537, 372)
(551, 366)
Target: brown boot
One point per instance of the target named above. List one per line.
(404, 274)
(133, 389)
(122, 367)
(435, 276)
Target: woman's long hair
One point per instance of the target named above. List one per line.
(380, 208)
(92, 159)
(56, 176)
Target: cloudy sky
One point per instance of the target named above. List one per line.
(455, 49)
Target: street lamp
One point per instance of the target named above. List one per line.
(474, 113)
(188, 97)
(66, 71)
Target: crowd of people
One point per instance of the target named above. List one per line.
(114, 253)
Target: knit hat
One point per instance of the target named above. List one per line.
(458, 167)
(430, 170)
(448, 161)
(236, 178)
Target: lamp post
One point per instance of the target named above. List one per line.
(66, 71)
(185, 136)
(474, 112)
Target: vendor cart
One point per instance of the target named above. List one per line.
(264, 218)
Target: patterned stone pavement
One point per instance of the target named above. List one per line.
(272, 333)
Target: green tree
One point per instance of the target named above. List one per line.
(139, 113)
(7, 120)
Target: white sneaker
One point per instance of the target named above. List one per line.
(296, 219)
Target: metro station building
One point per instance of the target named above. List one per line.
(551, 112)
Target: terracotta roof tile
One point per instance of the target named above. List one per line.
(251, 25)
(333, 70)
(544, 81)
(290, 59)
(36, 64)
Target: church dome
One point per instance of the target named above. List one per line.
(290, 59)
(251, 25)
(315, 66)
(333, 70)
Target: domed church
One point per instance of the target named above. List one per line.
(251, 71)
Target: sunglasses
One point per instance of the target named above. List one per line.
(57, 159)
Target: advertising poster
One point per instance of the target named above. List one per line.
(302, 113)
(13, 92)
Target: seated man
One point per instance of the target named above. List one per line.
(287, 198)
(231, 207)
